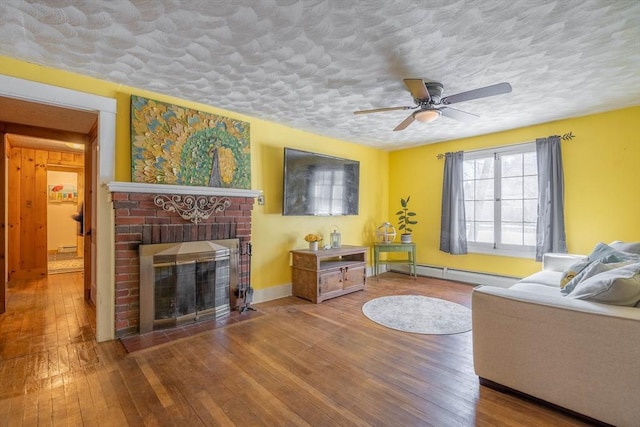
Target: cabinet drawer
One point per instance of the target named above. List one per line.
(330, 281)
(354, 276)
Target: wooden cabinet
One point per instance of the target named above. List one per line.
(328, 273)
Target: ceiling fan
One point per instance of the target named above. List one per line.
(431, 105)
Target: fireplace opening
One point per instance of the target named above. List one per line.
(186, 282)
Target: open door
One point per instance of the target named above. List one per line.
(3, 218)
(26, 211)
(89, 226)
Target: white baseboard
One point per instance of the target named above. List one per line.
(271, 293)
(282, 291)
(463, 276)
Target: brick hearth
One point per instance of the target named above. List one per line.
(138, 220)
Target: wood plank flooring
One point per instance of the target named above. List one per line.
(297, 364)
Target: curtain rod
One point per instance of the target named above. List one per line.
(565, 137)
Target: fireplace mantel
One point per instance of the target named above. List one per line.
(136, 187)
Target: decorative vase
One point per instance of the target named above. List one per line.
(335, 238)
(313, 246)
(386, 233)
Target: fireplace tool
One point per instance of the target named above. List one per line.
(245, 291)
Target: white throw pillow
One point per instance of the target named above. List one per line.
(602, 253)
(618, 286)
(629, 247)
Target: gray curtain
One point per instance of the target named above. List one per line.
(453, 230)
(550, 233)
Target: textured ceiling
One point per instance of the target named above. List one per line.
(309, 64)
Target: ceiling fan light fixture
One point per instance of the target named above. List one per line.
(426, 116)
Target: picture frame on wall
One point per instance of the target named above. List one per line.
(62, 193)
(176, 145)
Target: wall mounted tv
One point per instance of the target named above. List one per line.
(317, 184)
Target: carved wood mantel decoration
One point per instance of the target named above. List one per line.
(192, 208)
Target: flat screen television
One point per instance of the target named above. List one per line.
(317, 184)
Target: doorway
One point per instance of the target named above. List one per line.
(65, 228)
(45, 188)
(44, 100)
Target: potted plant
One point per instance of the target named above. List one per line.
(405, 220)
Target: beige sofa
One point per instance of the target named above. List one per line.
(580, 355)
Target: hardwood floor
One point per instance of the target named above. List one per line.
(296, 364)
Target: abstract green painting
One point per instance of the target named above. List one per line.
(177, 145)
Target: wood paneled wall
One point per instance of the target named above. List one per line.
(27, 208)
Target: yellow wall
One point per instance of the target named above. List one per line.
(602, 186)
(272, 234)
(602, 180)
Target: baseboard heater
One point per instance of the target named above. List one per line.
(464, 276)
(67, 249)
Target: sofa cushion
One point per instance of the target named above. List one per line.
(617, 286)
(554, 261)
(537, 289)
(544, 277)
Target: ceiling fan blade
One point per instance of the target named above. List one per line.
(459, 115)
(497, 89)
(406, 122)
(418, 89)
(379, 110)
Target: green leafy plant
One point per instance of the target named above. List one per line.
(406, 217)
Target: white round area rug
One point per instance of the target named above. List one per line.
(419, 314)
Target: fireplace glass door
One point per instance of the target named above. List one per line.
(189, 282)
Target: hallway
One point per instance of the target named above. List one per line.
(48, 350)
(59, 263)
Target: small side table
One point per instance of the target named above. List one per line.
(409, 248)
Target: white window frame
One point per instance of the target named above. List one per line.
(517, 251)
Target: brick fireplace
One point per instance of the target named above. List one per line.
(143, 218)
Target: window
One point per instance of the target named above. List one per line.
(501, 199)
